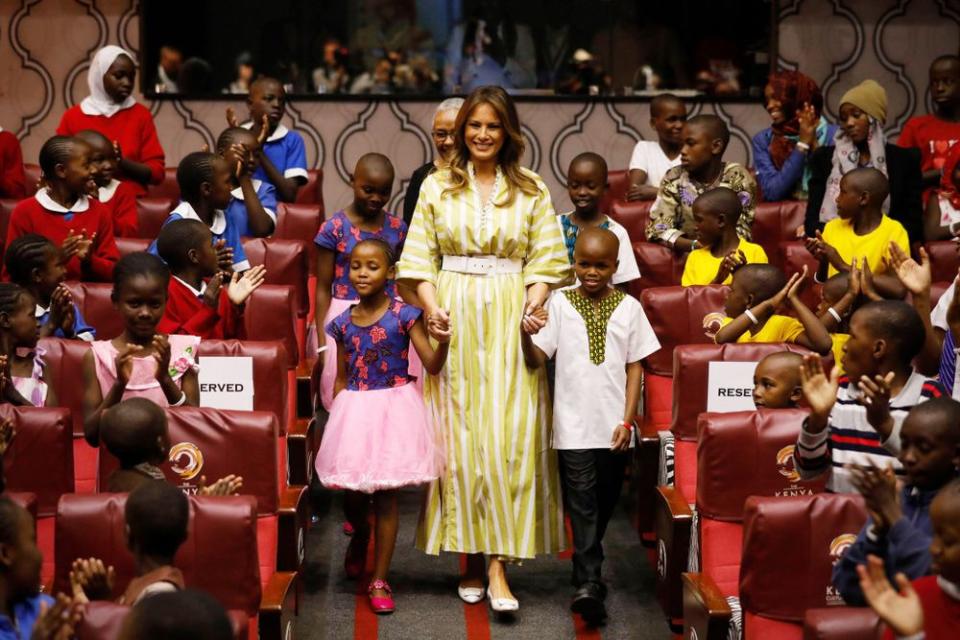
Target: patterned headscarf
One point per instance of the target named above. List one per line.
(792, 89)
(949, 189)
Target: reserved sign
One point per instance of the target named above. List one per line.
(730, 386)
(226, 382)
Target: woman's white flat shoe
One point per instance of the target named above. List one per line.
(503, 605)
(470, 595)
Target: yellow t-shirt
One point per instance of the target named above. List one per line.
(777, 329)
(875, 246)
(839, 339)
(702, 267)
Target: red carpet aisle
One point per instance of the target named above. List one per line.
(427, 606)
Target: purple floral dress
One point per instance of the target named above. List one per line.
(378, 355)
(339, 235)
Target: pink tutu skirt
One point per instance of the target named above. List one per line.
(378, 440)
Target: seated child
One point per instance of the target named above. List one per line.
(705, 138)
(651, 159)
(861, 230)
(120, 198)
(855, 419)
(253, 206)
(204, 180)
(135, 433)
(717, 250)
(936, 134)
(776, 381)
(34, 263)
(202, 300)
(20, 564)
(586, 184)
(185, 615)
(598, 335)
(756, 293)
(157, 515)
(23, 359)
(898, 530)
(139, 362)
(62, 212)
(929, 607)
(943, 208)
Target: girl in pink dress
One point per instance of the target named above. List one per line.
(139, 363)
(378, 437)
(21, 360)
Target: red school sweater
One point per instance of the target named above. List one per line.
(12, 180)
(122, 206)
(941, 611)
(132, 128)
(186, 314)
(41, 215)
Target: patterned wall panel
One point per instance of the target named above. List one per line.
(45, 47)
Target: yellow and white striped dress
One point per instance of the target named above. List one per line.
(500, 492)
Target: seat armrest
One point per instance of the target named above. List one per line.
(842, 623)
(300, 451)
(646, 461)
(278, 606)
(706, 613)
(292, 518)
(305, 373)
(673, 519)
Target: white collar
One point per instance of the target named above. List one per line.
(39, 311)
(48, 203)
(105, 193)
(278, 133)
(949, 588)
(217, 226)
(238, 192)
(199, 294)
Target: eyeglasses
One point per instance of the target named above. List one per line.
(441, 134)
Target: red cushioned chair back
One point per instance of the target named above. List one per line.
(6, 208)
(216, 443)
(791, 258)
(95, 304)
(40, 458)
(633, 216)
(747, 453)
(26, 500)
(659, 267)
(936, 290)
(777, 222)
(944, 260)
(269, 372)
(691, 376)
(219, 555)
(681, 315)
(132, 245)
(64, 367)
(618, 182)
(312, 191)
(32, 173)
(298, 221)
(152, 212)
(286, 263)
(168, 187)
(789, 548)
(271, 314)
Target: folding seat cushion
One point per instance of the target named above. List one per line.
(312, 191)
(220, 554)
(95, 304)
(132, 245)
(103, 620)
(633, 216)
(777, 222)
(168, 187)
(842, 623)
(32, 173)
(944, 260)
(659, 267)
(40, 457)
(271, 314)
(151, 214)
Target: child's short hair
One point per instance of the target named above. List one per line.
(944, 411)
(596, 158)
(374, 159)
(661, 100)
(896, 322)
(183, 615)
(870, 180)
(762, 280)
(722, 200)
(178, 237)
(157, 514)
(380, 244)
(836, 285)
(55, 150)
(714, 126)
(130, 430)
(26, 253)
(92, 136)
(10, 297)
(195, 169)
(230, 135)
(139, 263)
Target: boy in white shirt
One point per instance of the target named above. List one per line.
(653, 158)
(598, 336)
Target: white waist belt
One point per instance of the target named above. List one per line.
(482, 265)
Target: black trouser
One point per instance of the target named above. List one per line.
(592, 479)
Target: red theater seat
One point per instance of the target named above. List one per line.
(152, 212)
(103, 620)
(842, 623)
(219, 555)
(95, 304)
(6, 208)
(32, 173)
(618, 182)
(659, 267)
(26, 500)
(286, 263)
(168, 187)
(777, 222)
(132, 245)
(783, 538)
(633, 216)
(944, 260)
(271, 314)
(312, 191)
(791, 257)
(300, 222)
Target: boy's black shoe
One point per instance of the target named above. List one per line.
(588, 602)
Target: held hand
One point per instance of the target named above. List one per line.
(876, 398)
(124, 362)
(211, 295)
(58, 621)
(915, 277)
(621, 438)
(807, 117)
(241, 288)
(438, 326)
(161, 354)
(226, 486)
(819, 391)
(900, 610)
(532, 323)
(224, 255)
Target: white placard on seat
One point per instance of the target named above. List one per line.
(730, 386)
(226, 382)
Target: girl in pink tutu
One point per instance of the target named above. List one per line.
(378, 437)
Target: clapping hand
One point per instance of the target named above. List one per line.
(876, 398)
(899, 609)
(808, 119)
(77, 245)
(211, 295)
(226, 486)
(90, 580)
(879, 490)
(822, 251)
(161, 354)
(819, 391)
(224, 255)
(730, 263)
(915, 277)
(62, 312)
(57, 621)
(788, 292)
(123, 363)
(241, 288)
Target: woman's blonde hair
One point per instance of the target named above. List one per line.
(510, 153)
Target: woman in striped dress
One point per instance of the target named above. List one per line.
(483, 250)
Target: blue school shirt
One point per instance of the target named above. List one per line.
(25, 613)
(81, 330)
(237, 210)
(222, 228)
(286, 151)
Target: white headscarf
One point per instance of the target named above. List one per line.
(99, 103)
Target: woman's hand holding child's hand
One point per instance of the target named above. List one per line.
(241, 288)
(91, 580)
(438, 325)
(534, 320)
(226, 486)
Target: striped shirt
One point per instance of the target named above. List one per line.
(850, 439)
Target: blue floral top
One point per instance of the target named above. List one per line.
(340, 236)
(377, 356)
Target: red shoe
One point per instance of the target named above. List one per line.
(380, 604)
(347, 528)
(356, 559)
